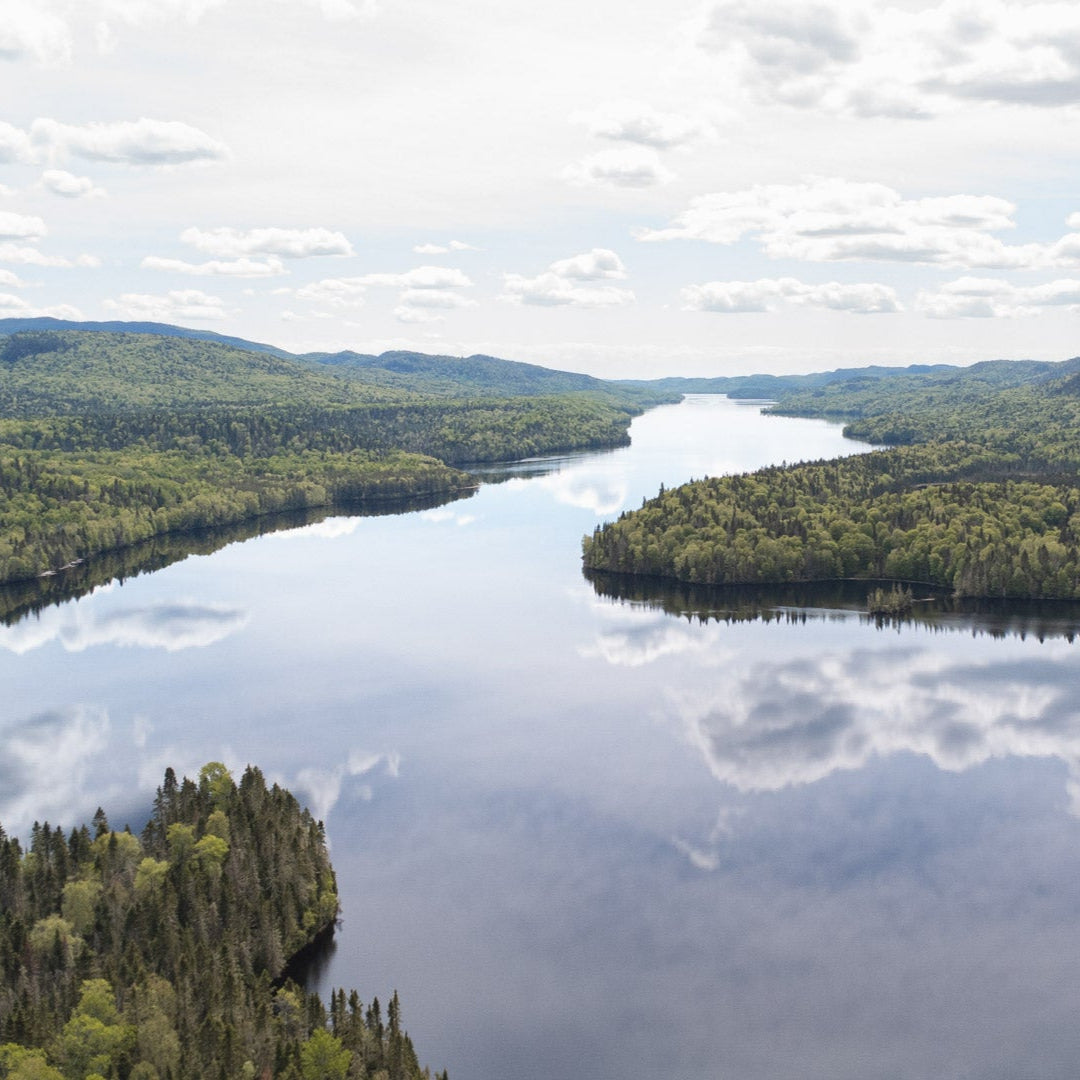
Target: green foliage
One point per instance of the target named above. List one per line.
(181, 937)
(982, 496)
(109, 439)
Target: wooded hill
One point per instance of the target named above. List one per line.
(162, 956)
(980, 494)
(109, 438)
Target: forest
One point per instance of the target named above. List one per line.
(978, 492)
(165, 955)
(109, 438)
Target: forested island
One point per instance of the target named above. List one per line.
(165, 955)
(978, 492)
(109, 438)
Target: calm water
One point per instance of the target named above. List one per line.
(588, 838)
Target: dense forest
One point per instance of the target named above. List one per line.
(109, 438)
(979, 494)
(164, 955)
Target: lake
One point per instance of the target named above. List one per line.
(586, 833)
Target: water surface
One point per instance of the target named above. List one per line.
(591, 836)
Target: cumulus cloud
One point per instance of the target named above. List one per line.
(443, 249)
(242, 267)
(15, 145)
(142, 12)
(993, 298)
(763, 295)
(568, 282)
(177, 304)
(827, 219)
(422, 277)
(128, 142)
(70, 186)
(229, 243)
(592, 265)
(31, 256)
(630, 167)
(426, 292)
(635, 123)
(21, 227)
(881, 59)
(139, 12)
(12, 306)
(425, 305)
(27, 31)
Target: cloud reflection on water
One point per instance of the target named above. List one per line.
(47, 765)
(765, 719)
(168, 626)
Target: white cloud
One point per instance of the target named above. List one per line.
(422, 305)
(634, 123)
(15, 145)
(631, 167)
(12, 306)
(11, 280)
(993, 298)
(551, 290)
(70, 186)
(590, 266)
(435, 298)
(21, 227)
(27, 31)
(423, 277)
(560, 285)
(762, 295)
(877, 59)
(129, 142)
(442, 249)
(30, 256)
(335, 292)
(177, 304)
(231, 243)
(830, 220)
(139, 12)
(341, 10)
(242, 267)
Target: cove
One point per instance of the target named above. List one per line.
(580, 832)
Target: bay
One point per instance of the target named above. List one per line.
(602, 836)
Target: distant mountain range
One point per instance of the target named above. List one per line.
(450, 375)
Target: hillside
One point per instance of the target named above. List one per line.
(981, 496)
(110, 438)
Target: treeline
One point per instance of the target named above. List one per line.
(162, 956)
(29, 596)
(985, 500)
(455, 432)
(107, 439)
(57, 507)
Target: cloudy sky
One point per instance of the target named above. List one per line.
(625, 187)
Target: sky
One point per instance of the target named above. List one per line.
(630, 188)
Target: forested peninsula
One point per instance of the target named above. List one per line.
(977, 493)
(164, 956)
(109, 438)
